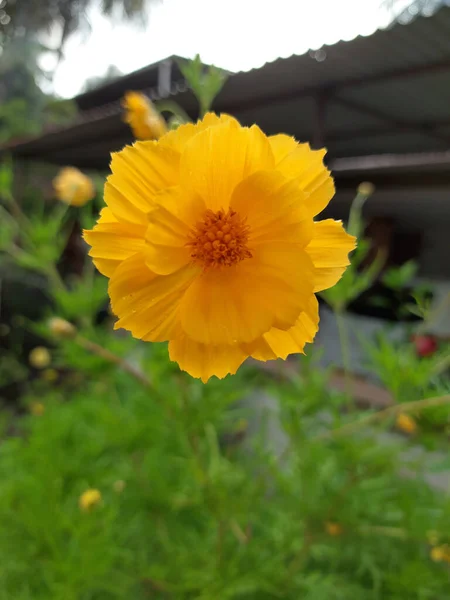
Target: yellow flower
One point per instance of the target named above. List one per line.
(406, 423)
(333, 529)
(89, 499)
(209, 241)
(73, 187)
(440, 553)
(37, 408)
(39, 357)
(61, 328)
(144, 120)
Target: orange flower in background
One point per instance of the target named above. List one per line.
(144, 120)
(73, 187)
(210, 242)
(333, 529)
(406, 423)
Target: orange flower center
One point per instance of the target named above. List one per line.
(219, 239)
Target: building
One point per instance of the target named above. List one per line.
(380, 104)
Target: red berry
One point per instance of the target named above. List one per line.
(426, 345)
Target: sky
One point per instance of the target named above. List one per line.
(233, 34)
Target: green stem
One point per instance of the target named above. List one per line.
(16, 210)
(114, 359)
(55, 278)
(382, 415)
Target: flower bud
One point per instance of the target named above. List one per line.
(39, 357)
(61, 328)
(366, 188)
(89, 500)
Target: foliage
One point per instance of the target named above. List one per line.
(205, 84)
(128, 479)
(69, 15)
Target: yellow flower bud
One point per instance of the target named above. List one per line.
(406, 423)
(366, 188)
(144, 120)
(73, 187)
(61, 328)
(37, 408)
(333, 529)
(89, 500)
(39, 357)
(119, 486)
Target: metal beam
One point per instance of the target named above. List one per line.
(385, 162)
(424, 129)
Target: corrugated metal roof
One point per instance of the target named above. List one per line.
(386, 93)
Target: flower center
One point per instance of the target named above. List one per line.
(219, 239)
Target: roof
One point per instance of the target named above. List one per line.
(388, 93)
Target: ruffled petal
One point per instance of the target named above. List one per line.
(240, 303)
(147, 304)
(138, 173)
(113, 242)
(277, 343)
(176, 212)
(106, 216)
(218, 158)
(306, 166)
(274, 208)
(282, 145)
(204, 361)
(178, 138)
(329, 249)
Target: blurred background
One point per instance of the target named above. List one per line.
(370, 81)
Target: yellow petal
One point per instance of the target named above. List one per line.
(106, 216)
(279, 344)
(329, 250)
(177, 210)
(240, 303)
(282, 145)
(307, 168)
(274, 208)
(204, 361)
(148, 304)
(113, 242)
(218, 158)
(139, 172)
(178, 138)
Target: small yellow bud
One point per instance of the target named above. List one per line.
(143, 118)
(37, 408)
(39, 357)
(50, 375)
(406, 423)
(89, 500)
(61, 328)
(119, 486)
(366, 188)
(333, 529)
